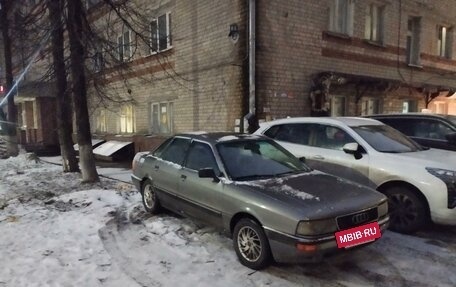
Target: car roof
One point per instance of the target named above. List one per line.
(217, 137)
(349, 121)
(423, 115)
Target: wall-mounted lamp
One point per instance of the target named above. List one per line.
(234, 32)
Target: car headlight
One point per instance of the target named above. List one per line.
(316, 227)
(383, 209)
(442, 173)
(449, 178)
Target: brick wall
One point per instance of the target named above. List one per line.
(293, 46)
(201, 74)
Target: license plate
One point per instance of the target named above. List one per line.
(358, 235)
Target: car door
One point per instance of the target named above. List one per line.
(321, 145)
(166, 171)
(202, 196)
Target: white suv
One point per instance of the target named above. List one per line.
(420, 183)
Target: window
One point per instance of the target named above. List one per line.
(91, 3)
(338, 106)
(126, 119)
(410, 106)
(428, 129)
(371, 107)
(413, 40)
(330, 137)
(175, 151)
(374, 23)
(101, 122)
(341, 16)
(124, 51)
(384, 138)
(201, 156)
(293, 133)
(162, 117)
(161, 33)
(444, 40)
(98, 62)
(440, 107)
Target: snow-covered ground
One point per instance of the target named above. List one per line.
(55, 231)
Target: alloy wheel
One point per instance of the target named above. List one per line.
(249, 244)
(149, 196)
(403, 210)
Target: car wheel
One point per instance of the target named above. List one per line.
(251, 244)
(149, 197)
(408, 212)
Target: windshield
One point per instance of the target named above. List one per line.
(254, 159)
(386, 139)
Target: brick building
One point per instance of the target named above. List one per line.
(187, 67)
(334, 57)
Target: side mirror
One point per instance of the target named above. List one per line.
(302, 159)
(451, 138)
(352, 148)
(208, 173)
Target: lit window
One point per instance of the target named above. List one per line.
(444, 39)
(162, 117)
(374, 23)
(341, 16)
(161, 33)
(127, 119)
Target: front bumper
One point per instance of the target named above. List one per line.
(136, 182)
(444, 216)
(284, 246)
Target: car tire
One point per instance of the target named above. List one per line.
(149, 197)
(408, 212)
(251, 244)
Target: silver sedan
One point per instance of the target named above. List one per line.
(270, 202)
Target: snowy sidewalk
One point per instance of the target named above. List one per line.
(55, 231)
(117, 173)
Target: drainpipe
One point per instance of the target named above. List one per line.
(251, 116)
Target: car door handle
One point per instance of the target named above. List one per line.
(318, 157)
(183, 177)
(156, 167)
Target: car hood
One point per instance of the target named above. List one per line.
(431, 158)
(316, 195)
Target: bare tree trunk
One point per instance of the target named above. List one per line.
(11, 145)
(64, 124)
(79, 89)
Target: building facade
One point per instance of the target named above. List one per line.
(330, 57)
(185, 66)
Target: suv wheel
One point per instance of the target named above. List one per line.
(149, 197)
(251, 244)
(408, 212)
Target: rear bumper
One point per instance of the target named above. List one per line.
(283, 246)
